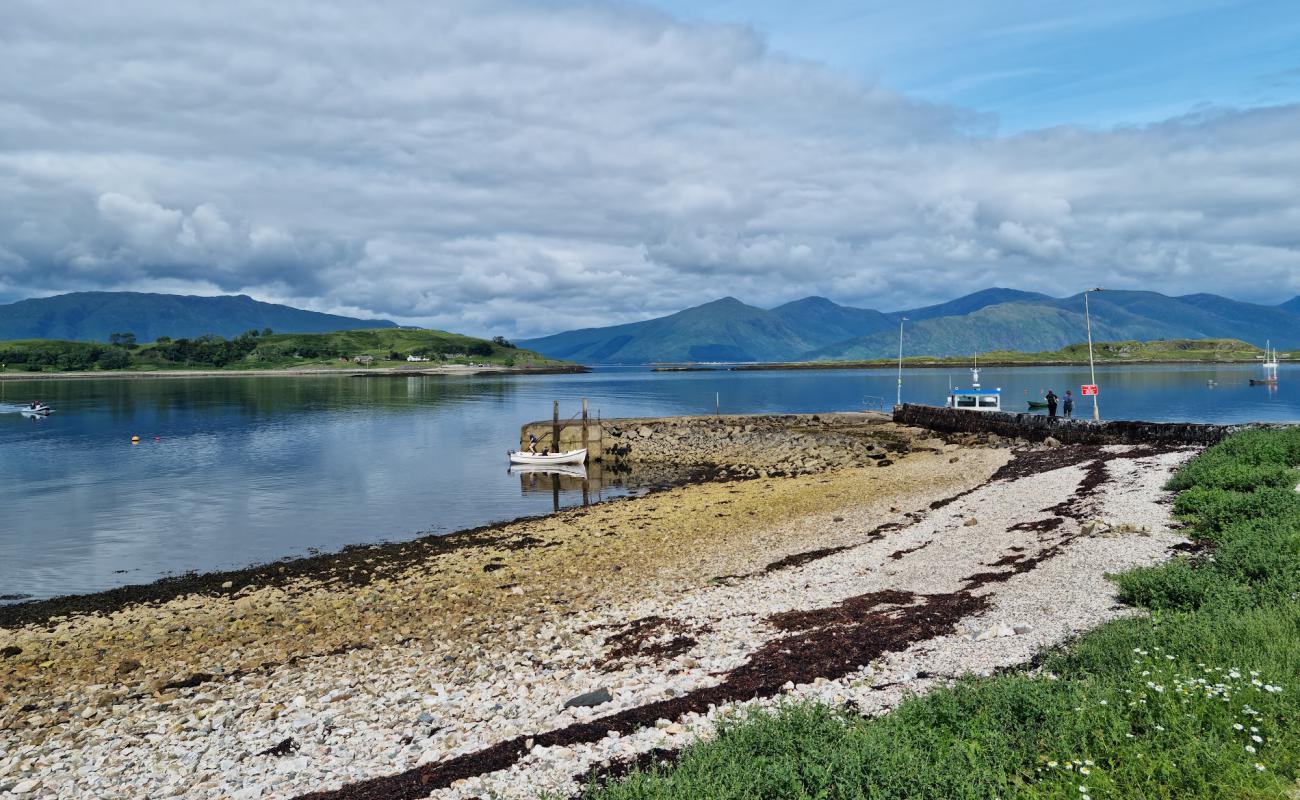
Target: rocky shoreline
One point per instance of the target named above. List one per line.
(764, 445)
(871, 561)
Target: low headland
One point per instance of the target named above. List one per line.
(379, 351)
(814, 573)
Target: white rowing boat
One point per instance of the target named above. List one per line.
(569, 457)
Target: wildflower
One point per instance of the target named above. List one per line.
(1084, 771)
(1256, 739)
(1250, 748)
(1260, 767)
(1253, 729)
(1160, 727)
(1051, 764)
(1083, 790)
(1237, 726)
(1103, 703)
(1088, 761)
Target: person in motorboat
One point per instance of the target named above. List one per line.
(532, 443)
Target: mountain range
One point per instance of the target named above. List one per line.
(94, 316)
(816, 328)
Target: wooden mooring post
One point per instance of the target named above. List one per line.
(555, 426)
(584, 424)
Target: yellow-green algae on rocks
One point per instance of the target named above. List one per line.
(512, 578)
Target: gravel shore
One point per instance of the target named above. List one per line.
(534, 652)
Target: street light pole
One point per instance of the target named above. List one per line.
(1092, 369)
(899, 399)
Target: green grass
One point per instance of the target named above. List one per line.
(1201, 699)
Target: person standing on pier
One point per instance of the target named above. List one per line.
(1067, 407)
(1050, 397)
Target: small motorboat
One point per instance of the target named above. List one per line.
(1037, 403)
(975, 398)
(38, 411)
(548, 459)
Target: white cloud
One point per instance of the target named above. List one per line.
(478, 166)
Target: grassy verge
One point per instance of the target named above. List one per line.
(1201, 699)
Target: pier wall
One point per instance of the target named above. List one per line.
(1037, 427)
(571, 437)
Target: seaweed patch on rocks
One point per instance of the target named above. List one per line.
(652, 637)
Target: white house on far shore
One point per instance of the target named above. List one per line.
(417, 358)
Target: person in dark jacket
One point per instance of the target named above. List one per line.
(1067, 406)
(1050, 397)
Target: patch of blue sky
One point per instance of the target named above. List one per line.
(1039, 64)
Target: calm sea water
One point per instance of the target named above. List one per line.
(235, 471)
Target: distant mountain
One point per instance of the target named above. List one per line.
(94, 316)
(723, 330)
(972, 302)
(993, 319)
(1047, 323)
(816, 319)
(1006, 326)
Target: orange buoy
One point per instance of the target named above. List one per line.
(135, 440)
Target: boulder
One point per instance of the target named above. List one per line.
(590, 699)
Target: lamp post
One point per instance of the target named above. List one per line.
(1092, 369)
(899, 400)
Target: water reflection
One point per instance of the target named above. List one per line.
(233, 471)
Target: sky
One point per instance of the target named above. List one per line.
(521, 168)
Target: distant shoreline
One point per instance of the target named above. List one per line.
(828, 365)
(374, 372)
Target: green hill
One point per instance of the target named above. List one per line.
(352, 349)
(94, 316)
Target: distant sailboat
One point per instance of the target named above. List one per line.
(1270, 367)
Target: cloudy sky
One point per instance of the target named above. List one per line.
(496, 167)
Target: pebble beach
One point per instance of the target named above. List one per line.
(842, 557)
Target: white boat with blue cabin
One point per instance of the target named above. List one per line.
(975, 398)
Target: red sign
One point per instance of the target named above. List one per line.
(1087, 389)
